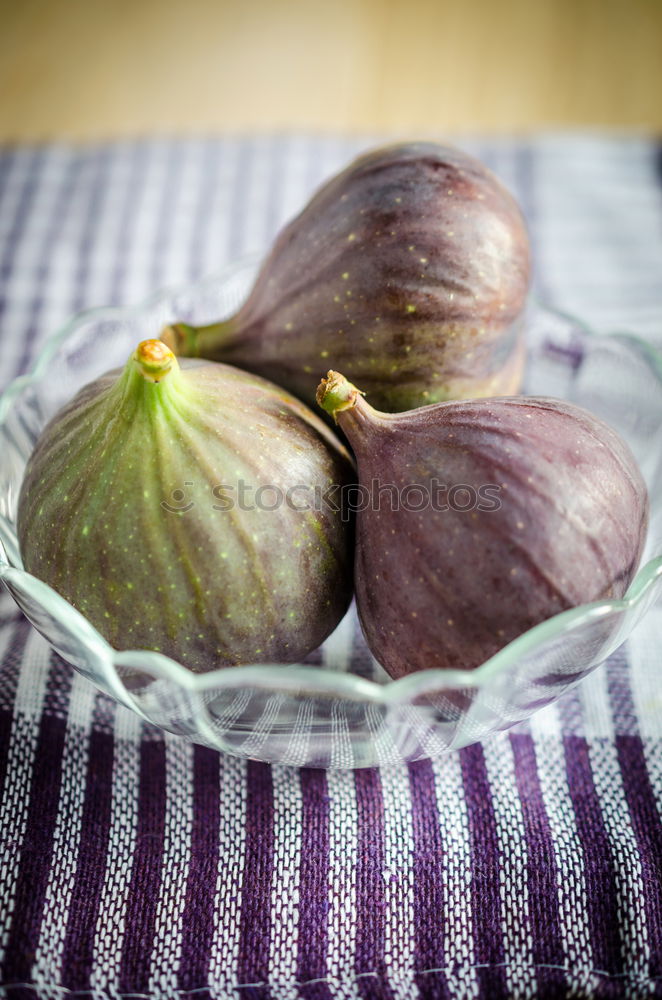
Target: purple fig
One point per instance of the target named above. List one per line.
(174, 507)
(481, 518)
(409, 270)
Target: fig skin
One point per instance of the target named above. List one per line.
(101, 520)
(408, 271)
(449, 588)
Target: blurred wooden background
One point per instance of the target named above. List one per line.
(96, 68)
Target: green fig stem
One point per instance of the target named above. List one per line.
(198, 341)
(154, 360)
(335, 394)
(151, 378)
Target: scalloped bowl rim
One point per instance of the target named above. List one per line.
(316, 680)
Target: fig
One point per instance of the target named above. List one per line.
(478, 519)
(409, 271)
(173, 505)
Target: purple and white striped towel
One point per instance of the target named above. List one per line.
(135, 865)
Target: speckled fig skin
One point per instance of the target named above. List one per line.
(408, 271)
(117, 513)
(449, 588)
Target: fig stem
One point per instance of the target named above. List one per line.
(154, 360)
(335, 393)
(197, 341)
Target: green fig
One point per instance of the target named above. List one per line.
(409, 270)
(481, 518)
(175, 507)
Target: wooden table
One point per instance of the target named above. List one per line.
(100, 68)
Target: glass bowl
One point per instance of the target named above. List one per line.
(339, 710)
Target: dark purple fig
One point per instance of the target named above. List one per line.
(409, 270)
(482, 518)
(157, 503)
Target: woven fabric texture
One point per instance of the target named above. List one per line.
(133, 864)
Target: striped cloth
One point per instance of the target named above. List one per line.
(136, 865)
